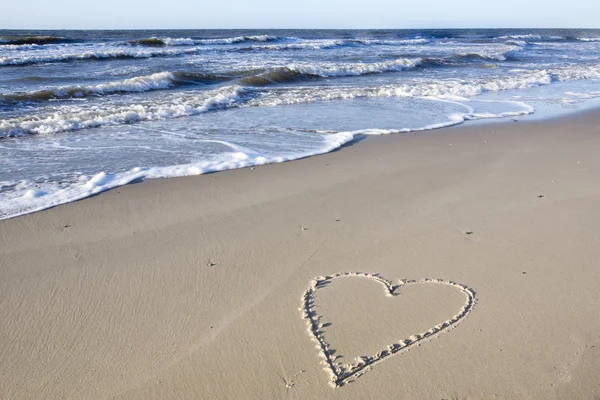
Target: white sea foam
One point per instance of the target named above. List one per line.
(29, 196)
(15, 47)
(440, 89)
(519, 43)
(530, 36)
(576, 72)
(594, 39)
(158, 81)
(453, 119)
(498, 54)
(399, 42)
(457, 118)
(178, 41)
(303, 70)
(97, 53)
(324, 44)
(238, 39)
(30, 199)
(326, 70)
(583, 96)
(305, 45)
(70, 118)
(526, 36)
(162, 41)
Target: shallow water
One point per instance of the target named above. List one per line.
(85, 111)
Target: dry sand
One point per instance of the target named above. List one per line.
(192, 288)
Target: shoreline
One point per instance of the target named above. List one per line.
(189, 288)
(143, 174)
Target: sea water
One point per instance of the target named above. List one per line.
(86, 111)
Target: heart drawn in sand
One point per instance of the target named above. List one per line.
(341, 374)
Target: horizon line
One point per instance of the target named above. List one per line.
(284, 29)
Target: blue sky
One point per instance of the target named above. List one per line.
(203, 14)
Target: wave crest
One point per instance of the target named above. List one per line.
(181, 104)
(25, 40)
(157, 81)
(296, 72)
(399, 42)
(96, 54)
(75, 118)
(445, 89)
(531, 36)
(238, 39)
(161, 42)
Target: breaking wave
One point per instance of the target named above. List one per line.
(168, 41)
(531, 36)
(446, 89)
(306, 45)
(401, 42)
(297, 72)
(283, 74)
(160, 42)
(71, 118)
(96, 54)
(238, 39)
(157, 81)
(324, 44)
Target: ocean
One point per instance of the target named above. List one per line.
(86, 111)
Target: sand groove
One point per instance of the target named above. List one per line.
(341, 374)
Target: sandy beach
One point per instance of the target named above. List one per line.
(196, 288)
